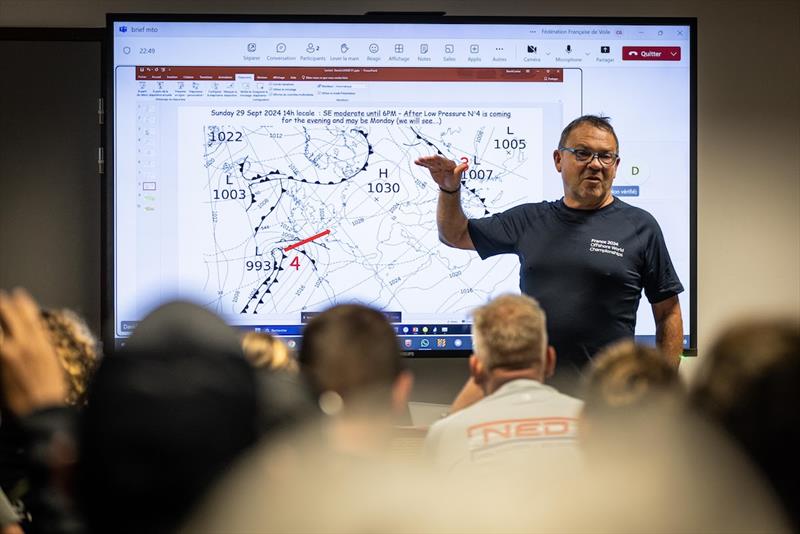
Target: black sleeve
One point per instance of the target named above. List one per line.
(500, 233)
(660, 280)
(51, 435)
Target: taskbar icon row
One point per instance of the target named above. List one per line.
(457, 329)
(410, 343)
(434, 343)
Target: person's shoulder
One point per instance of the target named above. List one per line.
(532, 207)
(567, 400)
(527, 211)
(461, 417)
(552, 394)
(547, 205)
(538, 210)
(435, 429)
(634, 213)
(443, 430)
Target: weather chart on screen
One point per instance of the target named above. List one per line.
(266, 169)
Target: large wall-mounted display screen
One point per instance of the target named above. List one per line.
(265, 167)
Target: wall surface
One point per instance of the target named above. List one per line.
(50, 211)
(748, 151)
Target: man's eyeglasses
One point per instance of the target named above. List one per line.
(586, 156)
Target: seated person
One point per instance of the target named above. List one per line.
(749, 384)
(351, 359)
(166, 416)
(42, 370)
(643, 449)
(626, 384)
(279, 383)
(518, 412)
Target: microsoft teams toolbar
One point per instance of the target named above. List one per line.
(387, 44)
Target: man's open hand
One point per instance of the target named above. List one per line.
(445, 172)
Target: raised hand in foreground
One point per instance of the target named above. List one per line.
(30, 374)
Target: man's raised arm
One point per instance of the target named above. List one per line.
(450, 218)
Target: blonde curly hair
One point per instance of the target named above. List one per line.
(77, 349)
(266, 350)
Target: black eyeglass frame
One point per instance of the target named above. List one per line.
(586, 159)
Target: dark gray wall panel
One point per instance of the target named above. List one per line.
(50, 189)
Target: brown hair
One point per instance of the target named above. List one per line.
(349, 349)
(625, 375)
(749, 384)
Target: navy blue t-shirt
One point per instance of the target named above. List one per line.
(587, 268)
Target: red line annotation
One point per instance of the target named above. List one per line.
(307, 240)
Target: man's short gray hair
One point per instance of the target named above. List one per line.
(510, 331)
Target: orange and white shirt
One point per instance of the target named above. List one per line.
(523, 421)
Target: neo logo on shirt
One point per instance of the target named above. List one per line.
(493, 432)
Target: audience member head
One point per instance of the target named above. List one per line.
(77, 349)
(626, 383)
(625, 377)
(351, 352)
(510, 338)
(280, 387)
(643, 449)
(749, 383)
(267, 351)
(165, 416)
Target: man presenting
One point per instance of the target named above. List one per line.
(585, 258)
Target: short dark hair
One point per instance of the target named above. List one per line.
(189, 404)
(348, 349)
(598, 121)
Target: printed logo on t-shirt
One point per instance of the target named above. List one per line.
(528, 432)
(546, 441)
(606, 246)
